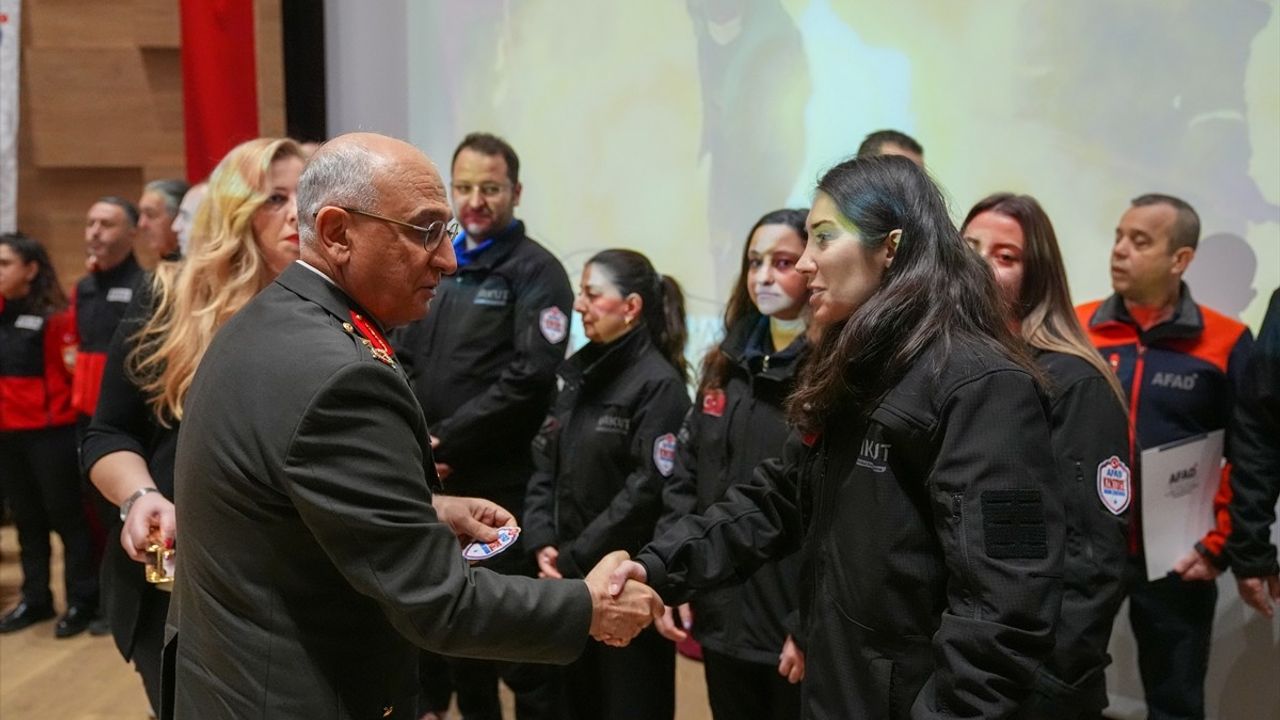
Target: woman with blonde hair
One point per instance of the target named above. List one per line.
(244, 234)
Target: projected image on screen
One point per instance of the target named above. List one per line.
(671, 126)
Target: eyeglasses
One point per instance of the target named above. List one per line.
(431, 234)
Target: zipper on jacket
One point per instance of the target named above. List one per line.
(1135, 530)
(1084, 530)
(957, 511)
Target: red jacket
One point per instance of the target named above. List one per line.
(35, 385)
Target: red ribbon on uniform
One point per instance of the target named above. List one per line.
(370, 333)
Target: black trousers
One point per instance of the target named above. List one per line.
(1172, 623)
(41, 478)
(637, 682)
(744, 690)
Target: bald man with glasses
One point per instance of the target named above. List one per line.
(319, 552)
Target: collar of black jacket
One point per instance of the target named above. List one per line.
(503, 243)
(748, 342)
(126, 266)
(597, 362)
(308, 285)
(1186, 321)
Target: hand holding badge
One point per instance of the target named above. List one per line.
(480, 550)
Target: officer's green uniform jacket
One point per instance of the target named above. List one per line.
(310, 560)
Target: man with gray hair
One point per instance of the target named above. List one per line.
(156, 211)
(317, 549)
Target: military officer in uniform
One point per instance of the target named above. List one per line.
(316, 555)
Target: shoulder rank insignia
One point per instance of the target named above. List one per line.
(371, 338)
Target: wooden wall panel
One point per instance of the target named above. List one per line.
(269, 44)
(101, 108)
(99, 112)
(79, 23)
(157, 23)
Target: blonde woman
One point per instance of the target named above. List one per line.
(244, 234)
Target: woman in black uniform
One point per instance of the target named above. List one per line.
(1090, 433)
(37, 439)
(601, 459)
(245, 233)
(753, 664)
(919, 484)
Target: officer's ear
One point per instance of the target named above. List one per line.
(332, 239)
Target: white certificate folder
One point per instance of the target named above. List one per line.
(1179, 480)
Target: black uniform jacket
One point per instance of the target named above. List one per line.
(726, 434)
(483, 363)
(1090, 434)
(1255, 476)
(124, 421)
(100, 301)
(310, 561)
(604, 452)
(932, 533)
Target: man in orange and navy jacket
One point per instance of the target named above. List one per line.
(1180, 364)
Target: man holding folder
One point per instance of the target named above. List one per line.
(1180, 364)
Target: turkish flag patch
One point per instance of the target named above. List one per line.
(713, 402)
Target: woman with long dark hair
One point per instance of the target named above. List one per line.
(38, 441)
(1090, 433)
(601, 458)
(245, 233)
(752, 662)
(919, 484)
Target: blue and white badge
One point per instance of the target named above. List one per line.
(553, 324)
(1115, 485)
(484, 550)
(664, 454)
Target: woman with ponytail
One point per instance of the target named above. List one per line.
(1090, 434)
(245, 233)
(601, 460)
(919, 485)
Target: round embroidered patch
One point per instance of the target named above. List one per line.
(553, 324)
(664, 454)
(1115, 485)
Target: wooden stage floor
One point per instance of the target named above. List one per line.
(84, 678)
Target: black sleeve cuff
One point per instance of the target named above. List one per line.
(654, 570)
(1219, 561)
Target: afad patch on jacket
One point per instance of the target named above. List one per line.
(1115, 485)
(664, 454)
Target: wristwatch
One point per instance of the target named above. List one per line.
(129, 501)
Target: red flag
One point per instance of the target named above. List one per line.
(219, 80)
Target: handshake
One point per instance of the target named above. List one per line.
(620, 609)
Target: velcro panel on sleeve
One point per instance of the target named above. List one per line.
(1013, 525)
